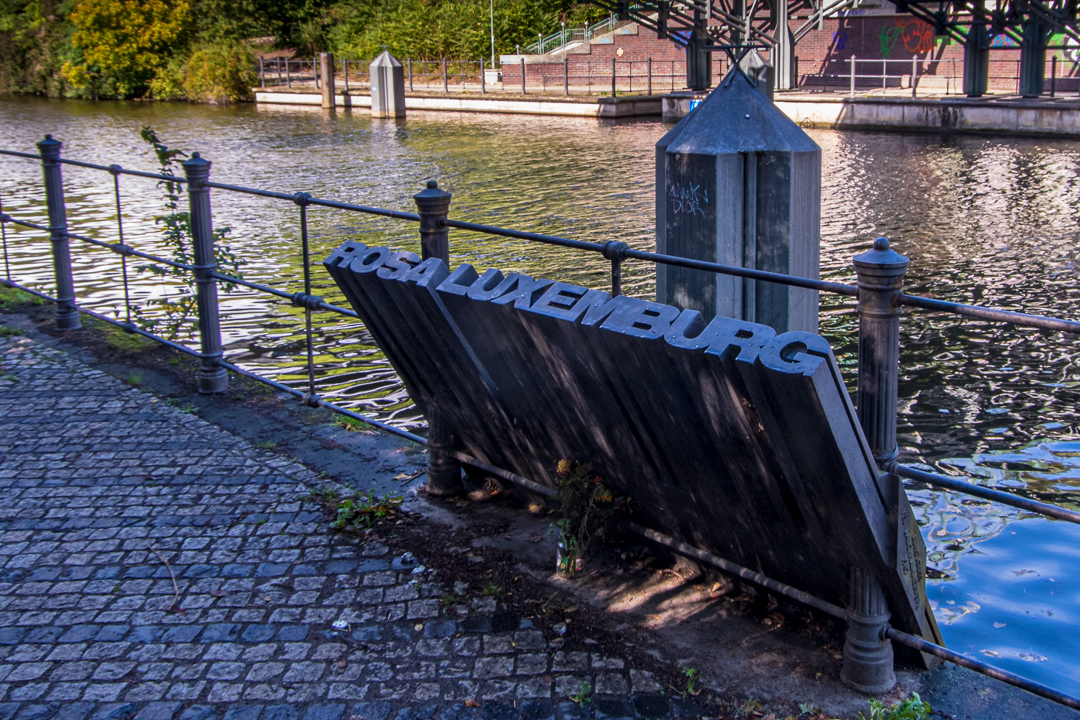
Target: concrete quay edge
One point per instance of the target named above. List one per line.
(1055, 118)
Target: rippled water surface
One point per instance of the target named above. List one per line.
(984, 220)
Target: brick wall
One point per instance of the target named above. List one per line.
(824, 58)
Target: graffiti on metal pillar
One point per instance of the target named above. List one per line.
(688, 198)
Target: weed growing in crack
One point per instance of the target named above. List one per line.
(912, 708)
(583, 694)
(366, 510)
(692, 675)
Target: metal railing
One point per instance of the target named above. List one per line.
(570, 76)
(564, 36)
(937, 76)
(592, 77)
(879, 294)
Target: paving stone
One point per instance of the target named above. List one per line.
(281, 712)
(87, 621)
(159, 711)
(369, 711)
(243, 712)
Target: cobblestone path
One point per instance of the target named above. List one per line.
(99, 479)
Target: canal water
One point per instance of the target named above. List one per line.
(984, 220)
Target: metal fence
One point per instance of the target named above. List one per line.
(571, 76)
(592, 77)
(879, 294)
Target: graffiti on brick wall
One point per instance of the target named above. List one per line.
(1002, 41)
(840, 38)
(915, 35)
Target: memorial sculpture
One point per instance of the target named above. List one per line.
(729, 436)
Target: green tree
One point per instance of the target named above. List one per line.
(35, 39)
(122, 44)
(457, 29)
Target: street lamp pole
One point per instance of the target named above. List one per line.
(492, 3)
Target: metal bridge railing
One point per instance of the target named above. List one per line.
(879, 293)
(563, 37)
(934, 76)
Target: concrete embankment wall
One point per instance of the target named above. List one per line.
(600, 107)
(1043, 117)
(1006, 118)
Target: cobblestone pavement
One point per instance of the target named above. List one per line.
(102, 483)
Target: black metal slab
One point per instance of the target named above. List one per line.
(729, 436)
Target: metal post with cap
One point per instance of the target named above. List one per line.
(212, 377)
(880, 272)
(67, 316)
(868, 654)
(444, 471)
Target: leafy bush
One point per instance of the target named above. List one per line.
(586, 506)
(221, 73)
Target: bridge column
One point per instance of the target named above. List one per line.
(977, 61)
(783, 51)
(698, 59)
(1032, 59)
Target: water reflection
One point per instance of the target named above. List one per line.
(983, 220)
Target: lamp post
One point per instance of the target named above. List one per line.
(492, 4)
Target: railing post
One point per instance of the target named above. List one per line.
(212, 377)
(288, 74)
(262, 73)
(914, 73)
(345, 67)
(648, 66)
(612, 77)
(881, 278)
(67, 317)
(868, 654)
(852, 92)
(444, 471)
(445, 85)
(483, 79)
(566, 75)
(1053, 75)
(522, 76)
(615, 251)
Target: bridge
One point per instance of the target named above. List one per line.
(776, 26)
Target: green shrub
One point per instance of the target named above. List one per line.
(221, 73)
